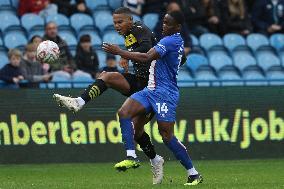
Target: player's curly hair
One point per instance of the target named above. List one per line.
(177, 16)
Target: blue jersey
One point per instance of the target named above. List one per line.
(162, 95)
(163, 72)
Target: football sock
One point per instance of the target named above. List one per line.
(127, 132)
(180, 152)
(131, 153)
(191, 172)
(146, 145)
(94, 90)
(155, 160)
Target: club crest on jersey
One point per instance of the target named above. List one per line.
(130, 40)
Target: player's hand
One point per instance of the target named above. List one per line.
(123, 63)
(213, 20)
(20, 77)
(274, 28)
(111, 48)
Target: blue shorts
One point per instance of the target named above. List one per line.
(164, 108)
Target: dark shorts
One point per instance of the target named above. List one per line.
(136, 83)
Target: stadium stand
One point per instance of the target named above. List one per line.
(79, 21)
(59, 19)
(194, 40)
(256, 40)
(231, 41)
(195, 61)
(103, 20)
(277, 41)
(253, 76)
(219, 61)
(15, 39)
(150, 20)
(114, 4)
(210, 40)
(97, 5)
(68, 37)
(5, 3)
(215, 60)
(113, 37)
(31, 21)
(268, 61)
(8, 21)
(3, 60)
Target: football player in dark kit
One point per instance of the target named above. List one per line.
(138, 38)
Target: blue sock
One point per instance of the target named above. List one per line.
(127, 132)
(180, 152)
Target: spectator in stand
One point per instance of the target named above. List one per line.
(134, 5)
(195, 17)
(31, 69)
(65, 62)
(235, 17)
(111, 64)
(268, 16)
(11, 73)
(36, 39)
(249, 4)
(41, 7)
(67, 8)
(154, 6)
(86, 57)
(213, 17)
(174, 6)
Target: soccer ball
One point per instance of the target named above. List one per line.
(47, 52)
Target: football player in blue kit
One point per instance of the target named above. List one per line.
(162, 93)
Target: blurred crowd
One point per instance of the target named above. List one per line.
(220, 16)
(202, 16)
(26, 67)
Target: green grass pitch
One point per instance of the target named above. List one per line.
(244, 174)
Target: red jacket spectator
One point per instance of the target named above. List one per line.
(31, 6)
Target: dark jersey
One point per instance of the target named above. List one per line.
(140, 39)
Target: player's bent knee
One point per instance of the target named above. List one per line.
(124, 113)
(104, 76)
(109, 77)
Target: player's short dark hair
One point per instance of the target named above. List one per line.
(122, 10)
(177, 16)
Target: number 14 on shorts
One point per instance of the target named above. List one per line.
(162, 108)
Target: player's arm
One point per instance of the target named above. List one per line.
(151, 55)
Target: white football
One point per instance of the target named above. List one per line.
(47, 52)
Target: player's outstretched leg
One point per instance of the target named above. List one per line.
(143, 139)
(105, 80)
(126, 113)
(180, 152)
